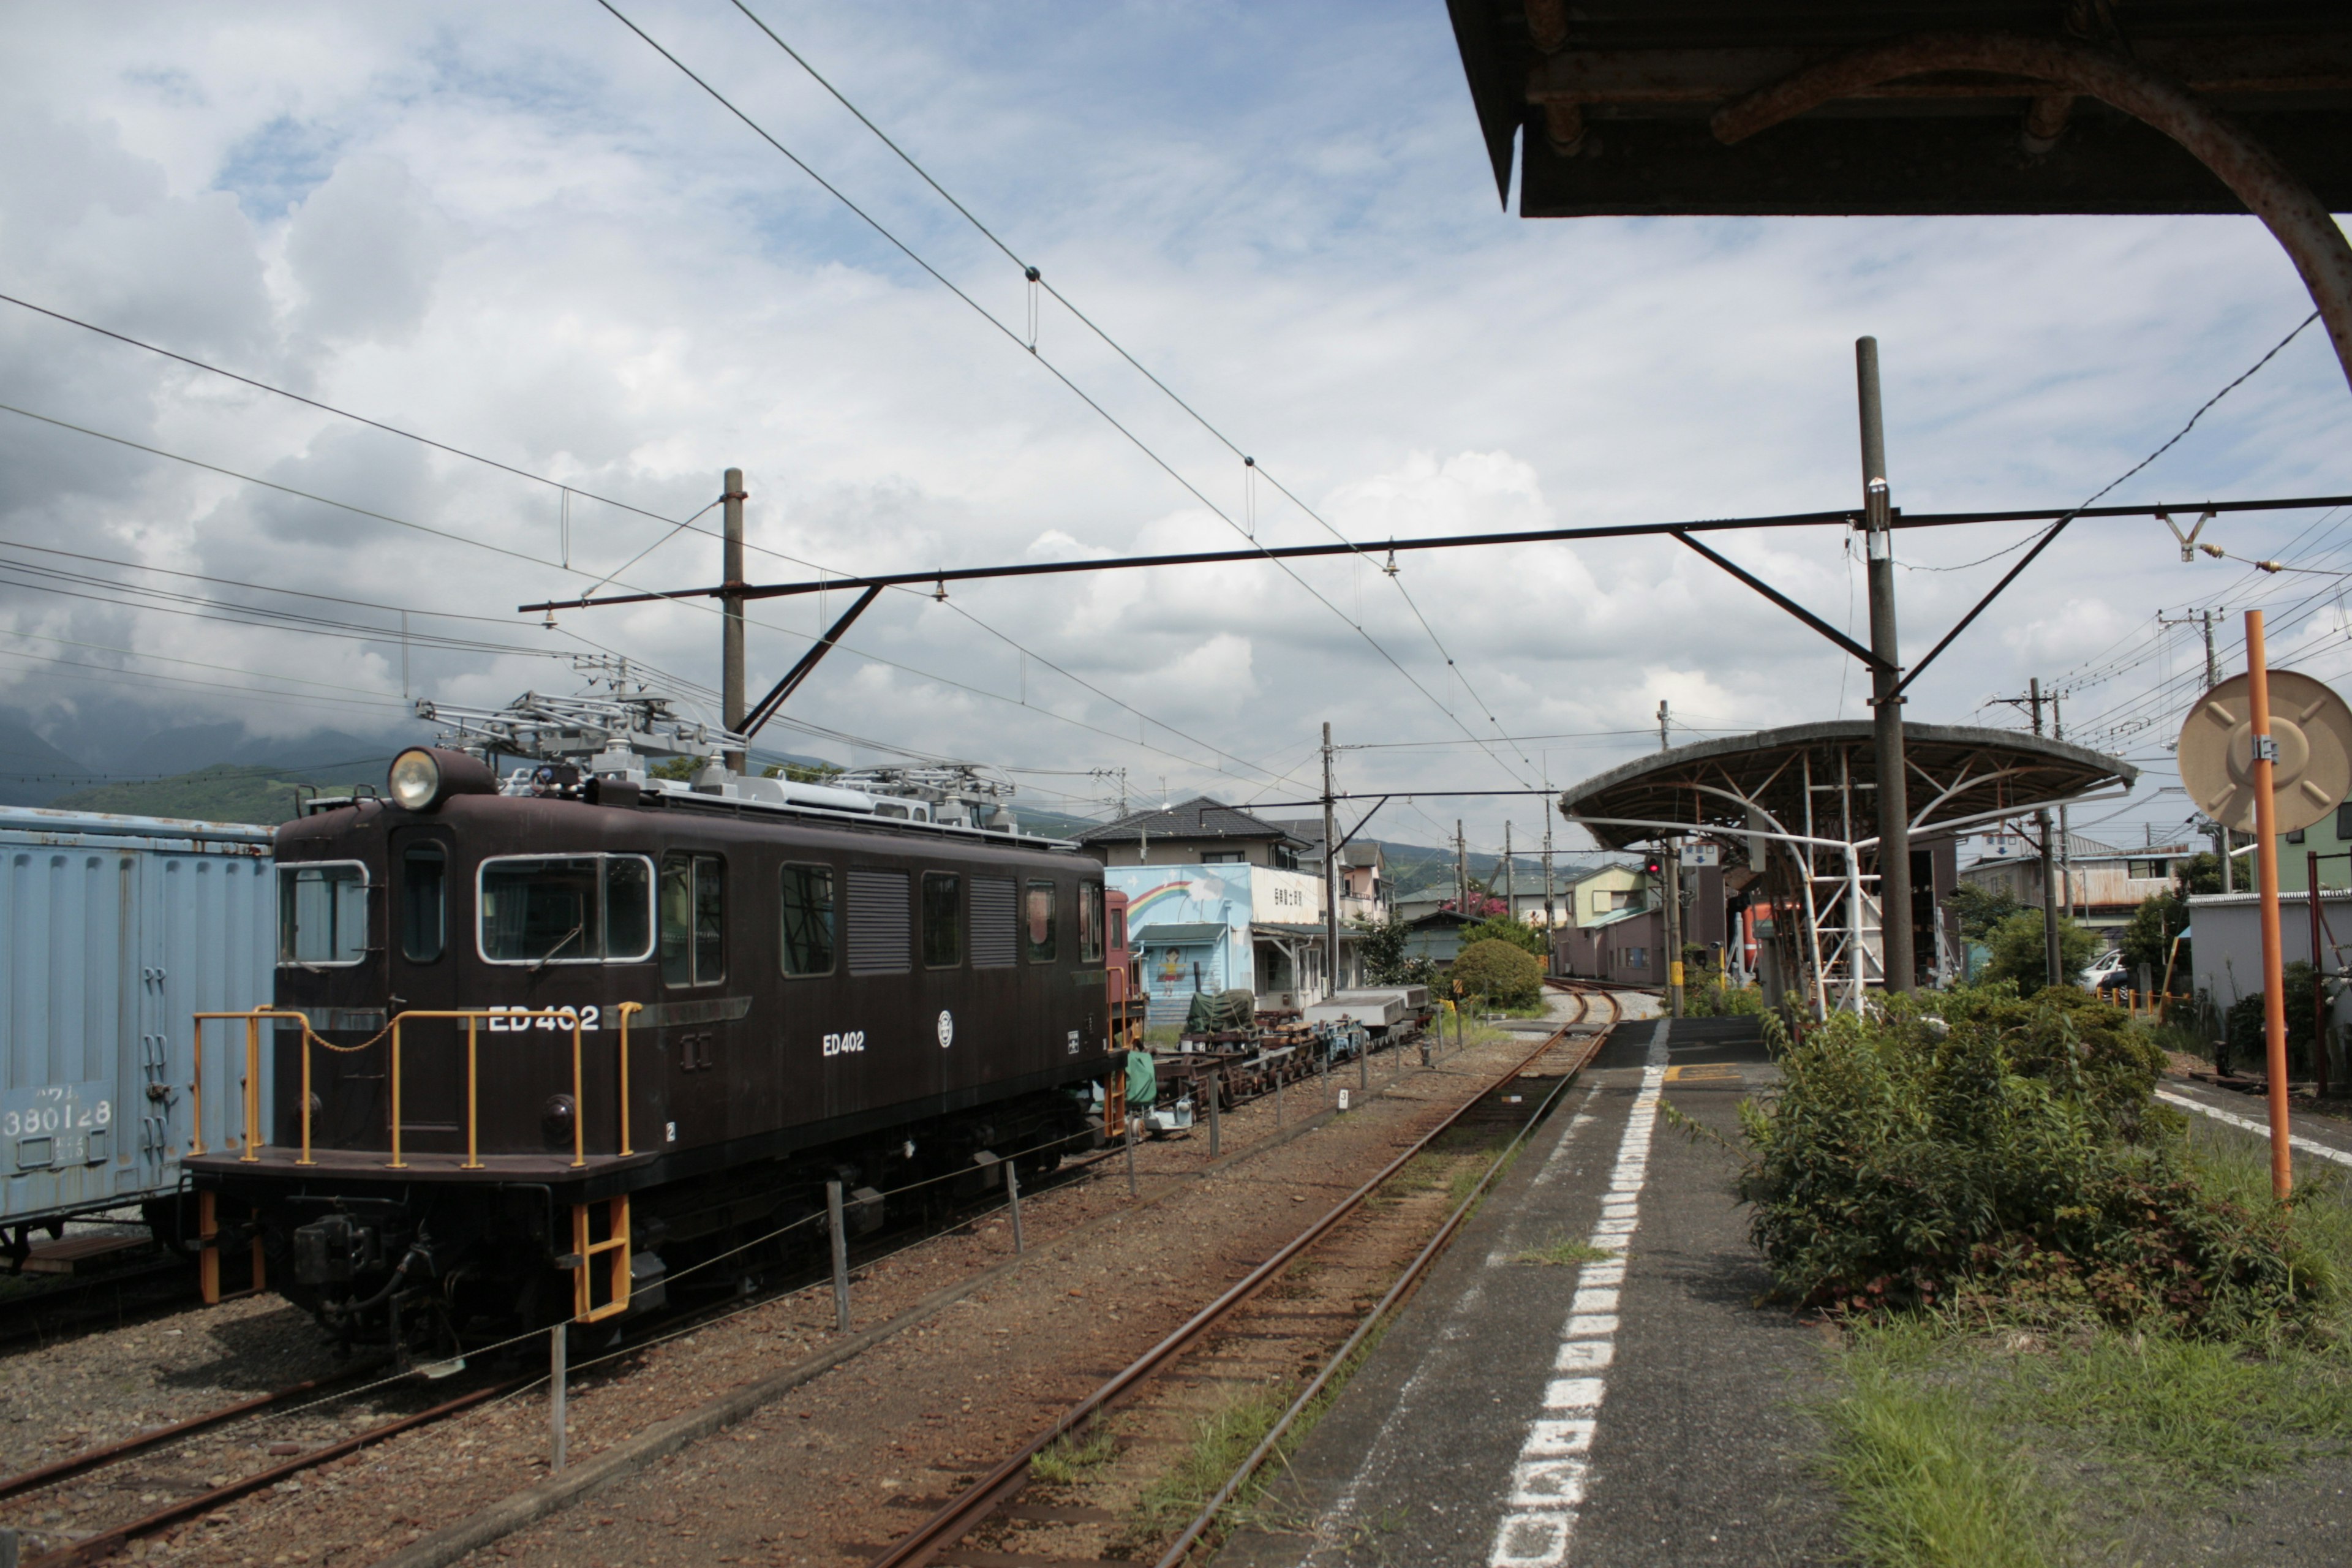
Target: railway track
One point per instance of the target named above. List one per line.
(93, 1504)
(1082, 1489)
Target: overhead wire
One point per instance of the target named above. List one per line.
(676, 525)
(1037, 278)
(538, 560)
(1056, 371)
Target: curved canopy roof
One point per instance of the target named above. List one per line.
(1960, 774)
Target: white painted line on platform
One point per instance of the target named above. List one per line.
(2260, 1129)
(1547, 1484)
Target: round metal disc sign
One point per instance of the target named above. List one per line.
(947, 1028)
(2312, 728)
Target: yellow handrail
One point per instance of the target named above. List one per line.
(252, 1142)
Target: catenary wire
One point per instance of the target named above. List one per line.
(1056, 371)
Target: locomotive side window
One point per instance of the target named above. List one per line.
(808, 919)
(942, 920)
(1118, 929)
(1037, 917)
(693, 920)
(322, 914)
(566, 909)
(995, 922)
(424, 903)
(1090, 924)
(880, 942)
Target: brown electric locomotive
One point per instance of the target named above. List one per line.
(537, 1050)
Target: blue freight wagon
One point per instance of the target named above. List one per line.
(114, 931)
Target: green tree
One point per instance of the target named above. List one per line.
(1505, 974)
(1980, 908)
(2019, 955)
(679, 768)
(1503, 928)
(2147, 939)
(2199, 873)
(1386, 962)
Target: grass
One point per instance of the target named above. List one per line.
(1950, 1437)
(1071, 1458)
(1561, 1252)
(1221, 1441)
(1929, 1477)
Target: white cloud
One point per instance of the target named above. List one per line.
(519, 230)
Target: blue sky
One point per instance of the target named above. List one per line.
(519, 231)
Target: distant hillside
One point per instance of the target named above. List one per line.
(1416, 870)
(33, 771)
(1042, 823)
(222, 792)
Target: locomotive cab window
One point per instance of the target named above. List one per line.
(942, 920)
(1118, 929)
(1090, 922)
(566, 909)
(693, 920)
(1037, 921)
(423, 902)
(807, 919)
(322, 914)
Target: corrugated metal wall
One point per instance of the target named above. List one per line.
(112, 933)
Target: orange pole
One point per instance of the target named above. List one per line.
(626, 1009)
(197, 1091)
(579, 1110)
(2258, 694)
(306, 1159)
(473, 1160)
(397, 1164)
(252, 1088)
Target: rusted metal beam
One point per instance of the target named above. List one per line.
(2295, 218)
(766, 706)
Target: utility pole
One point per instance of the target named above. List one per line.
(2065, 831)
(2204, 620)
(1663, 742)
(730, 701)
(1511, 902)
(2050, 948)
(1330, 869)
(1548, 916)
(1461, 870)
(1670, 875)
(1896, 944)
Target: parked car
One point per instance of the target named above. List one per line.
(2108, 971)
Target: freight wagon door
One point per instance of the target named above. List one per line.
(433, 1050)
(207, 943)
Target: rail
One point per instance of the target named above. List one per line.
(252, 1142)
(969, 1508)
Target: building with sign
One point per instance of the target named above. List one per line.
(1224, 926)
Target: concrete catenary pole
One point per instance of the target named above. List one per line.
(731, 701)
(2056, 969)
(1330, 869)
(1461, 870)
(1887, 709)
(1510, 897)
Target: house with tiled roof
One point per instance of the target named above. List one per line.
(1199, 832)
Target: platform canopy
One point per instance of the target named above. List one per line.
(1611, 105)
(1806, 778)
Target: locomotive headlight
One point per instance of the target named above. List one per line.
(415, 782)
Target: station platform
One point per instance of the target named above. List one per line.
(1637, 1407)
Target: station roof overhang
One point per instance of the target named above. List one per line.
(1960, 776)
(1612, 106)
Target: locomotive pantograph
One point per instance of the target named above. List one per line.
(542, 1041)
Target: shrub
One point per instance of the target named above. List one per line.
(1503, 928)
(1711, 998)
(2020, 957)
(2003, 1153)
(2248, 1033)
(1505, 974)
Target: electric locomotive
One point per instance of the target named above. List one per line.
(541, 1043)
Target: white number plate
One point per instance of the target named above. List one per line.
(56, 1110)
(591, 1019)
